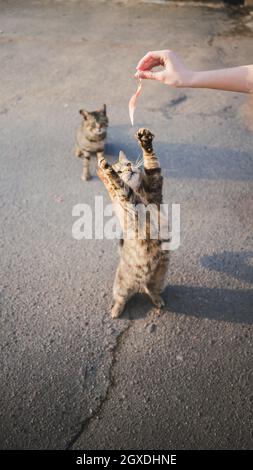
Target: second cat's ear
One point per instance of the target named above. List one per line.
(104, 108)
(84, 113)
(122, 157)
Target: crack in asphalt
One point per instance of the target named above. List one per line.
(84, 424)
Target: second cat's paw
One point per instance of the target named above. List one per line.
(86, 177)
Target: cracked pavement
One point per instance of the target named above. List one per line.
(70, 376)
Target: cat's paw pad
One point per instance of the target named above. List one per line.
(145, 137)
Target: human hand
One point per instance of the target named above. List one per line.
(175, 74)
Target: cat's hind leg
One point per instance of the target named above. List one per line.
(122, 292)
(155, 297)
(121, 295)
(117, 308)
(156, 285)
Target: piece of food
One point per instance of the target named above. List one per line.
(132, 103)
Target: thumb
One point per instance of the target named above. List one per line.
(146, 74)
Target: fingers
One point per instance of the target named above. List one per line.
(150, 75)
(146, 74)
(150, 60)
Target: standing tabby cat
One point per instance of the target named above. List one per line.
(143, 262)
(91, 136)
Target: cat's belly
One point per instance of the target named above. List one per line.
(90, 146)
(93, 147)
(143, 275)
(140, 264)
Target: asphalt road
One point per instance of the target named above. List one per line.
(70, 376)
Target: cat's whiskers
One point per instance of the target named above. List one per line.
(139, 161)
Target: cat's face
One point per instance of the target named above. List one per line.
(128, 172)
(95, 123)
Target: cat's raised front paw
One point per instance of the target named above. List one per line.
(145, 137)
(102, 163)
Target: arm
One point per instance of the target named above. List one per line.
(238, 79)
(175, 74)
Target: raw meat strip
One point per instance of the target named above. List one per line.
(132, 103)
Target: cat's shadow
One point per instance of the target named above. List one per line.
(235, 264)
(220, 304)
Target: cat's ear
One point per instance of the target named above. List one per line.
(103, 109)
(84, 113)
(122, 157)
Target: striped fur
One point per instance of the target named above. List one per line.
(91, 137)
(143, 263)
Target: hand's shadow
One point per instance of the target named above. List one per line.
(232, 305)
(238, 265)
(222, 304)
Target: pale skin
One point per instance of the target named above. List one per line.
(177, 75)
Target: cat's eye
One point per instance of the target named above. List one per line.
(129, 165)
(119, 172)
